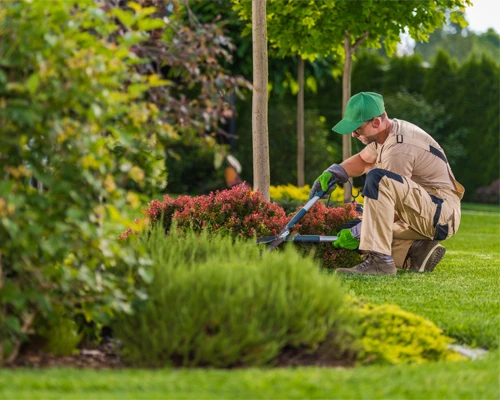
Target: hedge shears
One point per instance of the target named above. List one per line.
(284, 235)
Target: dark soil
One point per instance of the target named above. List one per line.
(105, 356)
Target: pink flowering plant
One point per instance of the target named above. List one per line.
(239, 212)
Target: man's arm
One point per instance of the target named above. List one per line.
(359, 164)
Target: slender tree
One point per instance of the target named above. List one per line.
(260, 138)
(302, 30)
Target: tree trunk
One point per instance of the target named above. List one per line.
(260, 140)
(346, 95)
(300, 125)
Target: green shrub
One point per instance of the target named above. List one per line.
(391, 335)
(84, 122)
(62, 337)
(74, 125)
(219, 302)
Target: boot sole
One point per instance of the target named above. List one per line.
(432, 259)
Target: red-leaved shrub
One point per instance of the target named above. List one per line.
(238, 212)
(322, 220)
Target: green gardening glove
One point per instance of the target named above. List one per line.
(346, 240)
(323, 179)
(320, 183)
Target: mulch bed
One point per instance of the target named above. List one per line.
(105, 356)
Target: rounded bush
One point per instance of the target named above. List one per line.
(216, 301)
(391, 335)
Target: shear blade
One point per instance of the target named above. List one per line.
(267, 239)
(275, 243)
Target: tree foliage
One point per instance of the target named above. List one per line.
(192, 56)
(296, 28)
(302, 30)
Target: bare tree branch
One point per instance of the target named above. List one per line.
(360, 40)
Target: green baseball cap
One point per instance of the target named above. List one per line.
(360, 108)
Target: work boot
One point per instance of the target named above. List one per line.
(372, 265)
(424, 255)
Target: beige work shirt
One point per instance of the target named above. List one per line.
(413, 162)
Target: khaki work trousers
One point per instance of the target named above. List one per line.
(398, 211)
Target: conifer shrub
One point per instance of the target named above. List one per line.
(391, 335)
(217, 301)
(241, 213)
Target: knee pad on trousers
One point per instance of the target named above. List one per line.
(372, 182)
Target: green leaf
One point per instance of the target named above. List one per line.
(126, 17)
(146, 275)
(12, 323)
(33, 82)
(150, 24)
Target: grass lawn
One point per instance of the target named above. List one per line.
(451, 380)
(461, 296)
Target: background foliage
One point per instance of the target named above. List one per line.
(74, 127)
(91, 94)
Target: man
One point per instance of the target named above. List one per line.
(412, 200)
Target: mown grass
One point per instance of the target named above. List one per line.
(462, 294)
(481, 207)
(443, 380)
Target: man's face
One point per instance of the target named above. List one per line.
(367, 132)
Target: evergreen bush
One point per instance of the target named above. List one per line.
(391, 335)
(217, 301)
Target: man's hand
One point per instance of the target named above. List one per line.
(320, 184)
(334, 171)
(346, 240)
